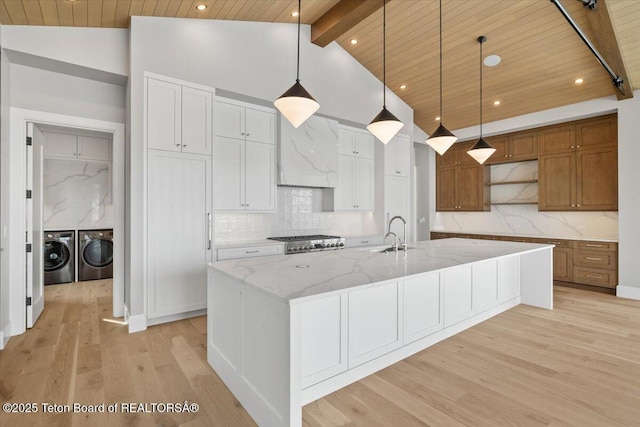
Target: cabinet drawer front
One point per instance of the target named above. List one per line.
(551, 241)
(595, 277)
(606, 246)
(598, 259)
(248, 252)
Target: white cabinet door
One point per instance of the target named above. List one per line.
(163, 115)
(396, 202)
(509, 277)
(90, 148)
(260, 177)
(260, 126)
(458, 304)
(323, 327)
(197, 116)
(485, 285)
(345, 141)
(343, 194)
(403, 158)
(229, 120)
(422, 307)
(391, 157)
(363, 144)
(374, 327)
(228, 172)
(179, 199)
(59, 145)
(363, 184)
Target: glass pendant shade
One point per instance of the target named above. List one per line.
(385, 126)
(481, 151)
(296, 104)
(441, 140)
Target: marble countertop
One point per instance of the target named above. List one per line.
(591, 239)
(298, 277)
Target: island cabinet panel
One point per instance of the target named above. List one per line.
(458, 302)
(222, 311)
(374, 327)
(485, 285)
(323, 339)
(509, 278)
(422, 307)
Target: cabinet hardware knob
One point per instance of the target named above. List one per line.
(573, 146)
(248, 134)
(241, 133)
(572, 205)
(184, 146)
(178, 145)
(506, 155)
(578, 204)
(577, 146)
(247, 205)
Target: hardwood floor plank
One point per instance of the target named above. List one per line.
(577, 365)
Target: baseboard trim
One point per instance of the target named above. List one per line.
(630, 292)
(137, 323)
(174, 317)
(5, 334)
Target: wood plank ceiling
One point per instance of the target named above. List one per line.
(541, 54)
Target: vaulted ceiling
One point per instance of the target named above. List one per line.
(541, 54)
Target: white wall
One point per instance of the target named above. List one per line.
(104, 49)
(5, 325)
(592, 224)
(42, 90)
(247, 58)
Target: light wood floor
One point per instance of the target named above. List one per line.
(578, 365)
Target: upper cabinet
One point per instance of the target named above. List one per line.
(244, 157)
(578, 166)
(460, 181)
(77, 147)
(243, 122)
(308, 155)
(355, 142)
(514, 147)
(178, 118)
(397, 157)
(355, 190)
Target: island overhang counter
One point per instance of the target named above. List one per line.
(283, 331)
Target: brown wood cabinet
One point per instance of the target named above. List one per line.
(591, 263)
(515, 147)
(460, 181)
(578, 168)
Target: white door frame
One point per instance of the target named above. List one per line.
(14, 184)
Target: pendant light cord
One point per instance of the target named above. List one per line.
(384, 53)
(481, 42)
(441, 61)
(298, 61)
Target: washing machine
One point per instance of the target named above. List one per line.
(59, 257)
(95, 254)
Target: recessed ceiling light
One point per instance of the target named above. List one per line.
(201, 6)
(437, 119)
(492, 60)
(403, 87)
(354, 41)
(578, 81)
(496, 102)
(294, 13)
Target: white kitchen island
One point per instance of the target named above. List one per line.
(283, 331)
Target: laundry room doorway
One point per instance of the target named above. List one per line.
(87, 156)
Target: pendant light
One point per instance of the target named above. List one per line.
(442, 139)
(481, 150)
(385, 125)
(296, 104)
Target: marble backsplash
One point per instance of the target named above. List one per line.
(299, 213)
(526, 220)
(76, 194)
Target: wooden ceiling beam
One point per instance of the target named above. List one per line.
(343, 16)
(602, 26)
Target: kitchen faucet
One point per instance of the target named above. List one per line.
(404, 231)
(395, 240)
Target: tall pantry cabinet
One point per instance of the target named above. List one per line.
(178, 135)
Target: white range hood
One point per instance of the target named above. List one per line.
(308, 155)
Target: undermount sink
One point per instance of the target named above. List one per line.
(382, 249)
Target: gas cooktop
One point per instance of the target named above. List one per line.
(311, 243)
